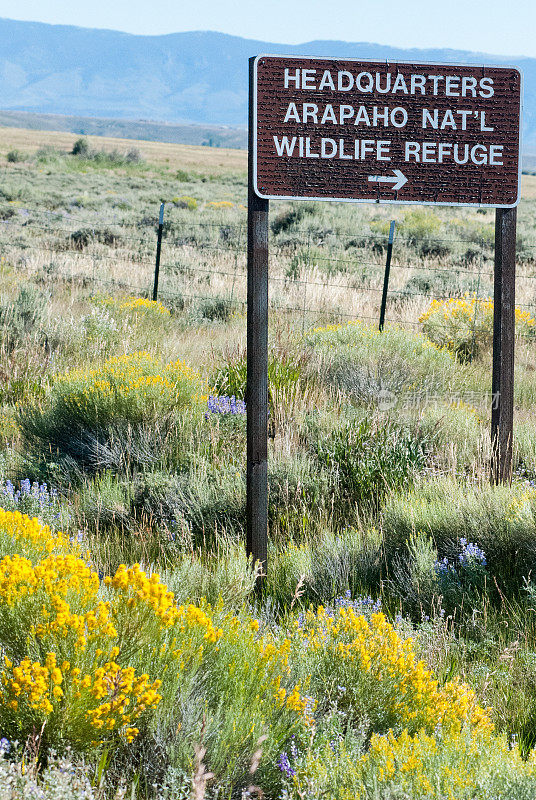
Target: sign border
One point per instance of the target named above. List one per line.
(371, 200)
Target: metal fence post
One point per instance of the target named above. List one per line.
(387, 271)
(158, 251)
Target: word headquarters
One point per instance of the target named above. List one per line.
(329, 115)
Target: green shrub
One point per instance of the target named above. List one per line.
(81, 148)
(49, 155)
(437, 249)
(100, 329)
(103, 503)
(84, 152)
(500, 520)
(481, 233)
(442, 282)
(379, 368)
(82, 238)
(420, 223)
(288, 217)
(214, 309)
(23, 316)
(62, 778)
(133, 156)
(14, 156)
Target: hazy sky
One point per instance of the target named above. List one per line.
(506, 27)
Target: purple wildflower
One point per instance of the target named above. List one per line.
(471, 552)
(284, 765)
(223, 404)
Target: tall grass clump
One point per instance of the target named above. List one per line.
(365, 459)
(195, 503)
(134, 399)
(489, 528)
(286, 374)
(322, 568)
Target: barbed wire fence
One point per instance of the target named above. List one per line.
(317, 276)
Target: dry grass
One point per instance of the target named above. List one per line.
(528, 187)
(331, 283)
(209, 160)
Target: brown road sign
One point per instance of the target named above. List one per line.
(372, 131)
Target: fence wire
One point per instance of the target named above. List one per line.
(332, 275)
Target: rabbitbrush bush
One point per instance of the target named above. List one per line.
(134, 388)
(464, 325)
(139, 307)
(128, 397)
(442, 766)
(385, 728)
(382, 679)
(90, 663)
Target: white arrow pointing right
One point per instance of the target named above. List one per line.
(398, 181)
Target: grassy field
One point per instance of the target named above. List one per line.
(392, 653)
(210, 161)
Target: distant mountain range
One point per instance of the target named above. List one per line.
(196, 77)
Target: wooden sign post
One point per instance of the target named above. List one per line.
(502, 385)
(257, 362)
(375, 132)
